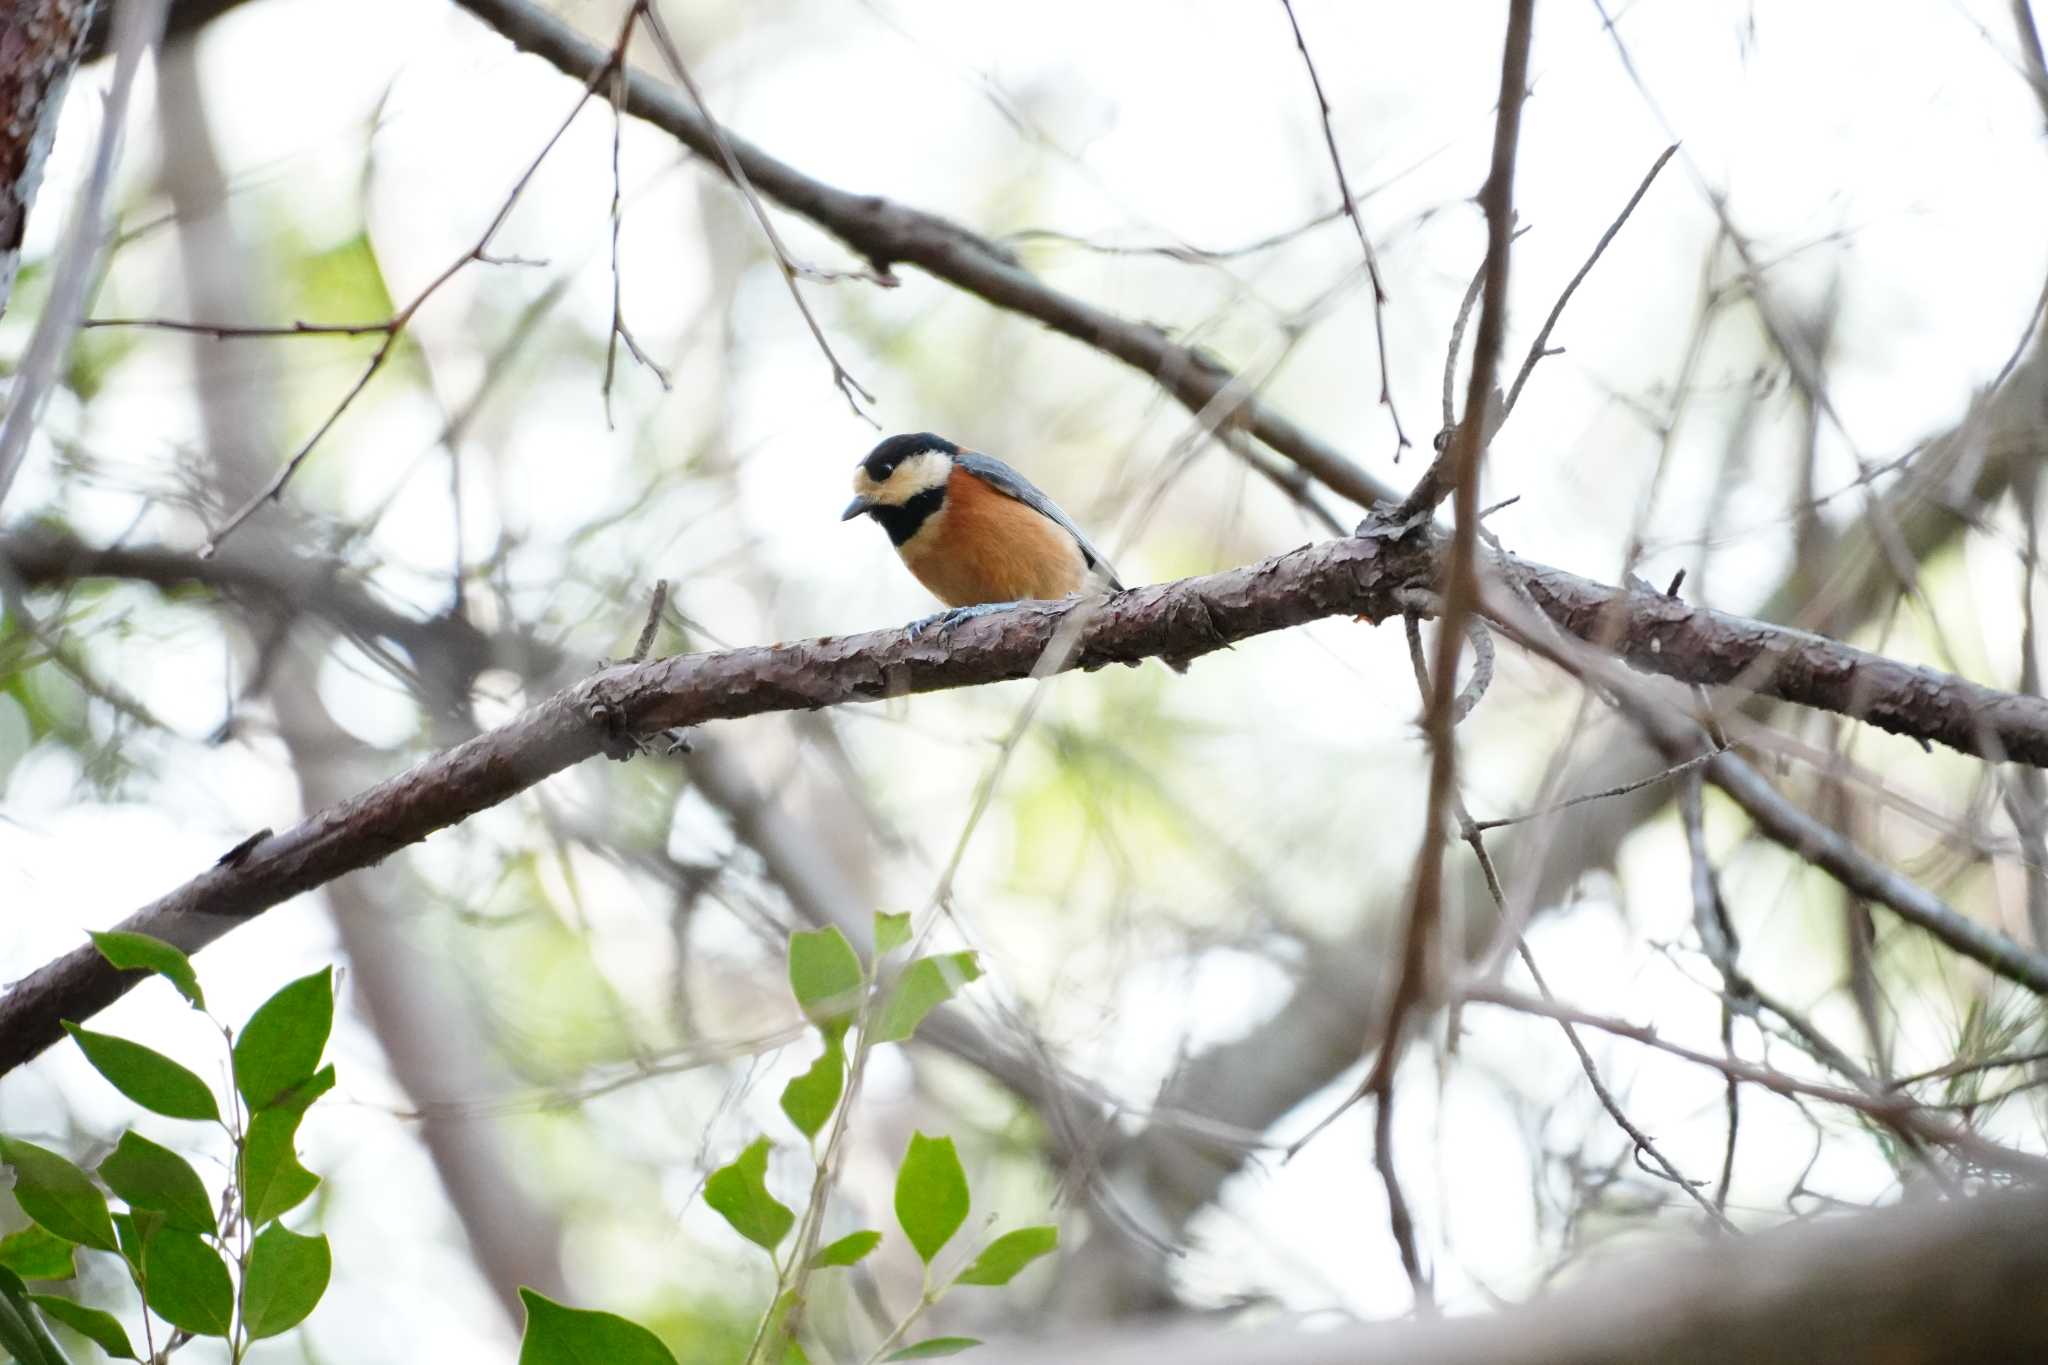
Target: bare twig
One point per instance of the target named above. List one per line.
(619, 330)
(737, 172)
(654, 607)
(1536, 347)
(1665, 775)
(1644, 1146)
(1901, 1114)
(1457, 346)
(2030, 52)
(395, 328)
(1372, 260)
(224, 331)
(1190, 255)
(1399, 1220)
(1460, 590)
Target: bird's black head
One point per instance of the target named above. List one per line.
(881, 462)
(902, 482)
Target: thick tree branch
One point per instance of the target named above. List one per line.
(449, 650)
(39, 45)
(1363, 575)
(1660, 634)
(889, 234)
(41, 42)
(1951, 1283)
(1680, 737)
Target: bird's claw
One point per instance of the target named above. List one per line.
(944, 621)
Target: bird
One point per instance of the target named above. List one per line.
(973, 530)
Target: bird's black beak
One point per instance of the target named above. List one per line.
(855, 508)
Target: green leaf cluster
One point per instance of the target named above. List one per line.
(854, 1007)
(234, 1272)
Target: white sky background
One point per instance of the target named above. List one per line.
(1888, 145)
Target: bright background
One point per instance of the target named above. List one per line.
(1165, 857)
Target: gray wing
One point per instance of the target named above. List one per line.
(1010, 483)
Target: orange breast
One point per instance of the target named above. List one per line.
(981, 546)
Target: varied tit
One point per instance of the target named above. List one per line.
(974, 531)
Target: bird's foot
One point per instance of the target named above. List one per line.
(944, 621)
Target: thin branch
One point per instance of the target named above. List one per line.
(737, 172)
(1717, 935)
(1457, 461)
(1643, 1144)
(1451, 352)
(1457, 346)
(619, 331)
(2030, 52)
(395, 328)
(1399, 1220)
(655, 603)
(1536, 348)
(1605, 793)
(1460, 588)
(1350, 205)
(1969, 1068)
(1901, 1114)
(1187, 255)
(225, 331)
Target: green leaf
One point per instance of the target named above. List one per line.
(926, 983)
(933, 1347)
(36, 1253)
(273, 1181)
(153, 1177)
(287, 1275)
(101, 1329)
(931, 1194)
(22, 1334)
(891, 932)
(847, 1250)
(137, 1230)
(1001, 1259)
(558, 1335)
(146, 1076)
(140, 952)
(187, 1284)
(826, 977)
(809, 1099)
(281, 1044)
(58, 1195)
(739, 1192)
